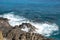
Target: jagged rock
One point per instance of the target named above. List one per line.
(14, 34)
(25, 26)
(26, 36)
(19, 32)
(4, 26)
(1, 36)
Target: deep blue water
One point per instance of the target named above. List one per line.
(39, 12)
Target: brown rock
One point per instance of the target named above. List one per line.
(1, 36)
(4, 26)
(15, 33)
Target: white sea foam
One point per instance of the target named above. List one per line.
(14, 19)
(42, 28)
(45, 28)
(25, 28)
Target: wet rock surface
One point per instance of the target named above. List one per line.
(19, 32)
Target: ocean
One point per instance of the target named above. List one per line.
(45, 16)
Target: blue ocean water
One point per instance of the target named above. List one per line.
(37, 11)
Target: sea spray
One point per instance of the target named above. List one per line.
(45, 29)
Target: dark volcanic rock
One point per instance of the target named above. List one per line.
(4, 26)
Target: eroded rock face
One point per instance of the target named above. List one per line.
(14, 34)
(4, 26)
(26, 36)
(19, 32)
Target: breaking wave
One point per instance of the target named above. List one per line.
(46, 29)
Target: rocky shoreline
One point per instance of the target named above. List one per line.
(7, 32)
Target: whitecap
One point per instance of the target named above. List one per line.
(45, 29)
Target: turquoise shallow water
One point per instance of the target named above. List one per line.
(38, 12)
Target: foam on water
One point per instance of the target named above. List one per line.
(25, 29)
(14, 19)
(45, 29)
